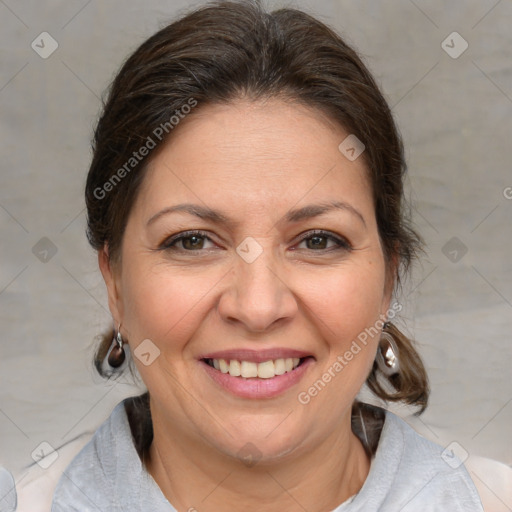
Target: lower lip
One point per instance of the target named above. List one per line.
(255, 387)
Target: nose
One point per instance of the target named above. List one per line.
(257, 295)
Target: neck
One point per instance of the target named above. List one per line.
(194, 476)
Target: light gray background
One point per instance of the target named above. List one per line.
(456, 119)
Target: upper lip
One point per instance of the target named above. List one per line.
(256, 356)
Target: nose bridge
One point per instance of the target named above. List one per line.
(258, 296)
(258, 278)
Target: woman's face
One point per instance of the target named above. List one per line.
(274, 274)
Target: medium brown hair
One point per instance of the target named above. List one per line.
(228, 50)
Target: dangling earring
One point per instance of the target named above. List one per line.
(387, 353)
(116, 355)
(116, 358)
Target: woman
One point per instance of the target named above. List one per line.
(245, 199)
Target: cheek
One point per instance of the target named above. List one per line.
(346, 301)
(348, 304)
(347, 307)
(162, 305)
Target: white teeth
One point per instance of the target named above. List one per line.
(234, 368)
(248, 369)
(224, 368)
(266, 370)
(279, 367)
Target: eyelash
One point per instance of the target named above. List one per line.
(342, 243)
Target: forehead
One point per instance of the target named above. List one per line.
(255, 153)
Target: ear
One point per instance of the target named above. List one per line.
(113, 283)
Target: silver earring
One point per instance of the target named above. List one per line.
(387, 354)
(116, 359)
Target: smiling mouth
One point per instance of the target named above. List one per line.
(249, 369)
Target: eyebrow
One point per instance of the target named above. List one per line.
(305, 212)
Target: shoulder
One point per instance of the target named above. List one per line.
(108, 473)
(88, 482)
(412, 474)
(426, 476)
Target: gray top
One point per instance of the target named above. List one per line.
(407, 474)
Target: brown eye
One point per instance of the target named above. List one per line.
(319, 241)
(192, 242)
(188, 241)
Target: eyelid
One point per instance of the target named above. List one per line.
(340, 241)
(169, 242)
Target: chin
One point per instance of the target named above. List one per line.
(263, 444)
